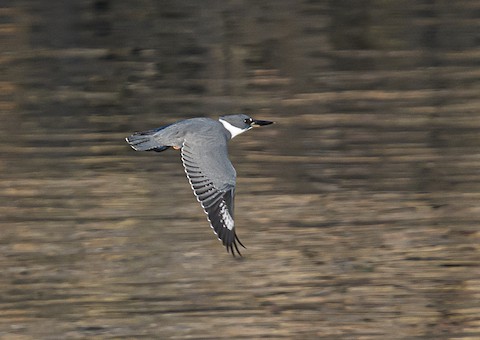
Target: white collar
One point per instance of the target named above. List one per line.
(234, 131)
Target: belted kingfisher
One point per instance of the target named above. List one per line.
(204, 153)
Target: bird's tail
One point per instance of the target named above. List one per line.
(145, 141)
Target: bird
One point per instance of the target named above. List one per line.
(203, 148)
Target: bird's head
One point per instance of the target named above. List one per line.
(236, 124)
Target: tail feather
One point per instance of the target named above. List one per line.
(145, 141)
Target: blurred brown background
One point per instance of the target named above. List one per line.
(360, 208)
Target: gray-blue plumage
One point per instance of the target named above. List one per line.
(204, 153)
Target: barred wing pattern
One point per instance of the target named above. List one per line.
(217, 203)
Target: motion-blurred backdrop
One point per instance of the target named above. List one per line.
(360, 207)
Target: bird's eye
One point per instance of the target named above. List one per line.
(248, 121)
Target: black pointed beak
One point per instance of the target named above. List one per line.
(257, 123)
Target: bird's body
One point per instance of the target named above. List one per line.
(204, 153)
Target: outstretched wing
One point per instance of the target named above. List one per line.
(212, 178)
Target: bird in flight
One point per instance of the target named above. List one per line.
(204, 153)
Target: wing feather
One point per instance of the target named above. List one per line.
(214, 187)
